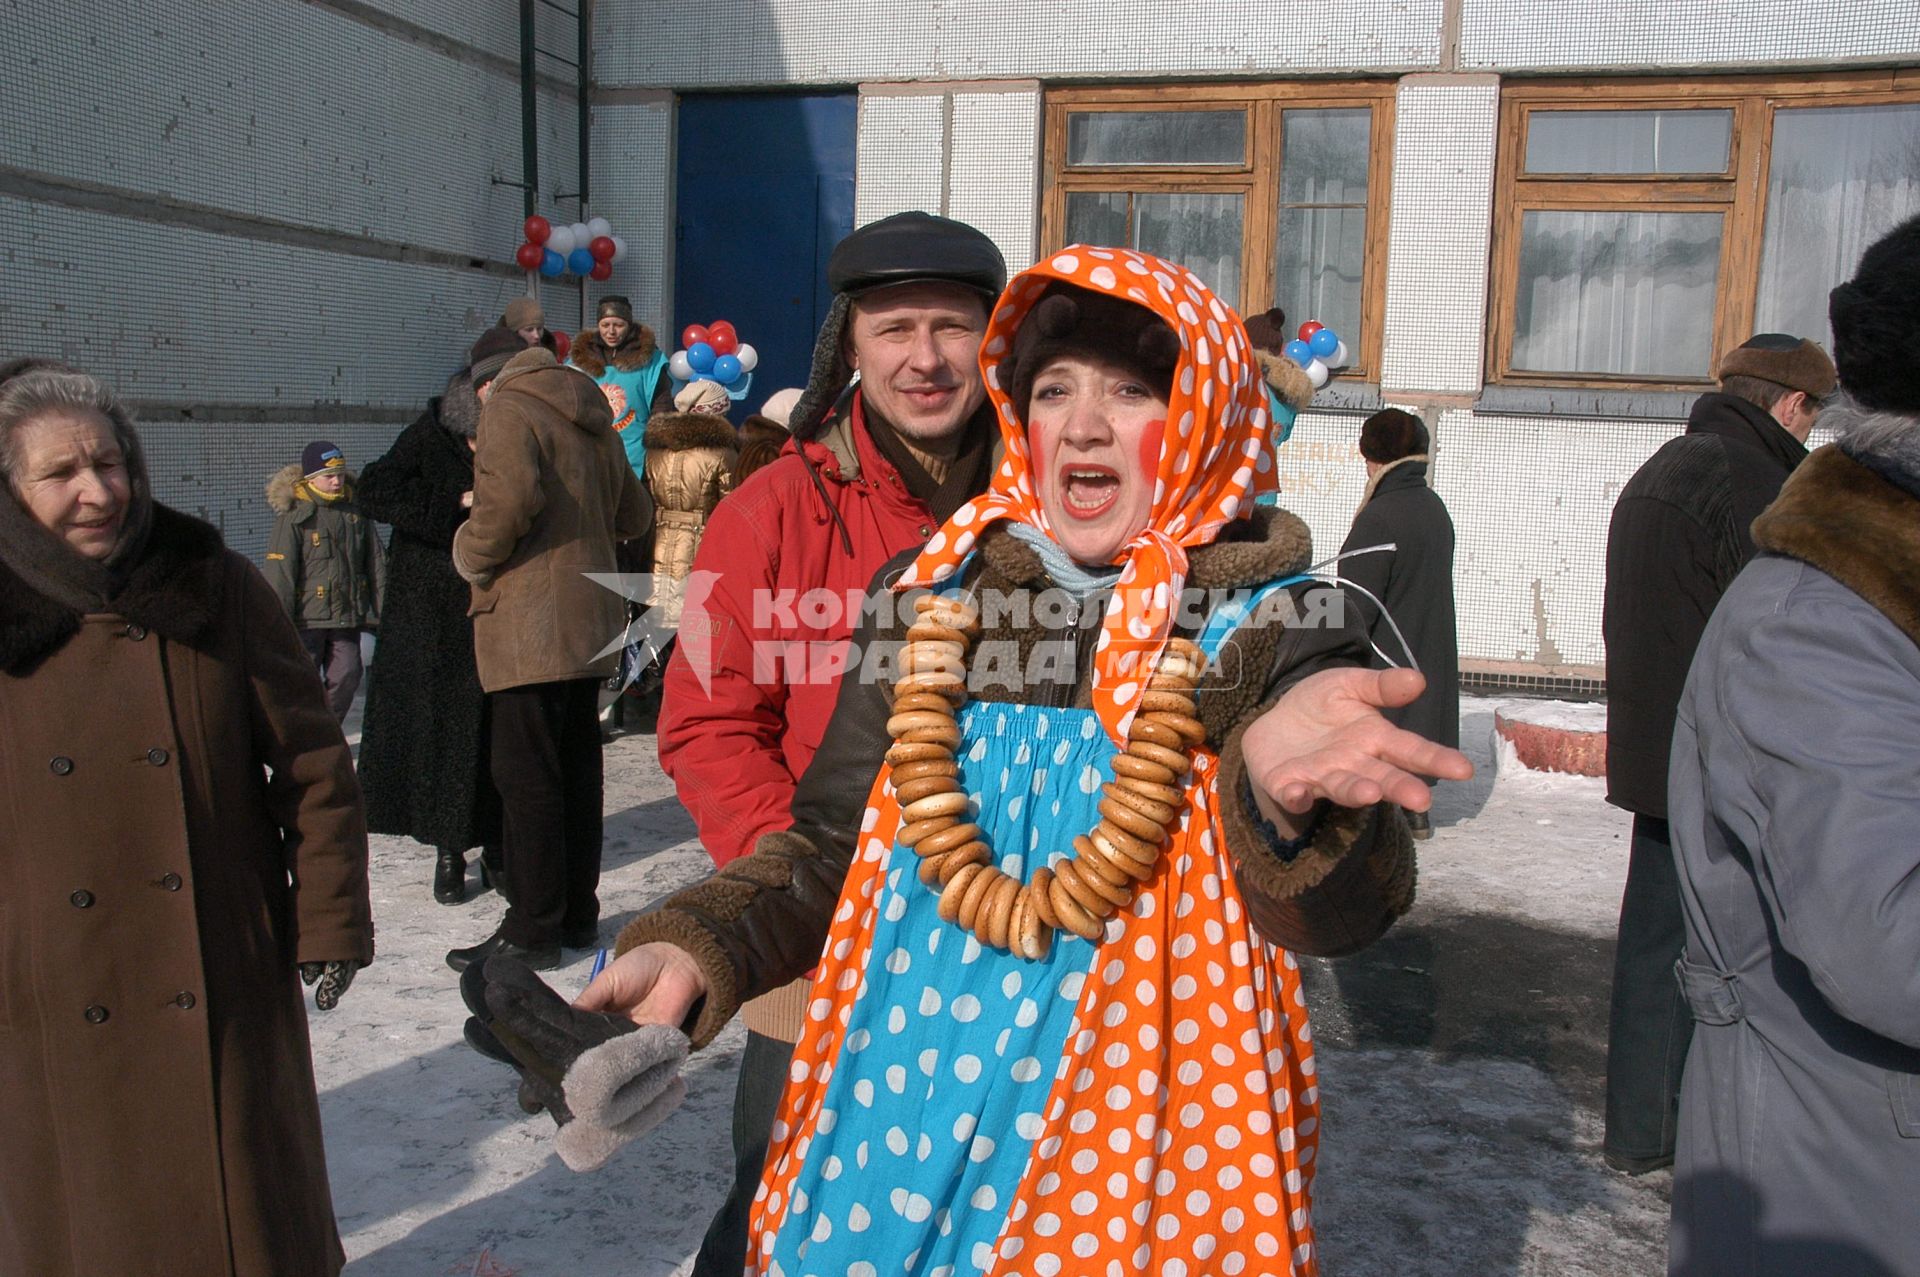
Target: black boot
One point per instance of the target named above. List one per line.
(490, 867)
(450, 878)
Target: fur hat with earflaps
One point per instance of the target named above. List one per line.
(1876, 328)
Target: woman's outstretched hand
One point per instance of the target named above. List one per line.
(1325, 739)
(649, 984)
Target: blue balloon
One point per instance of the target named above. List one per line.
(1324, 343)
(580, 261)
(551, 264)
(700, 357)
(1298, 351)
(726, 369)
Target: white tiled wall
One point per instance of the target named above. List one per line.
(1685, 35)
(632, 171)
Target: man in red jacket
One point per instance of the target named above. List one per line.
(870, 472)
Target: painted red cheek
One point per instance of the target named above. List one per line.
(1150, 440)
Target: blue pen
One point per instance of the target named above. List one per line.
(599, 965)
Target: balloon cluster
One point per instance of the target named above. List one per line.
(1319, 350)
(714, 352)
(585, 248)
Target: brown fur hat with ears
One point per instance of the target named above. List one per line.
(1268, 333)
(1070, 320)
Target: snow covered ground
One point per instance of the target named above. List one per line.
(1461, 1061)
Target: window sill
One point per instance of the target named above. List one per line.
(1567, 401)
(1345, 396)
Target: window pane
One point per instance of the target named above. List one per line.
(1156, 137)
(1630, 294)
(1628, 141)
(1324, 156)
(1201, 232)
(1838, 179)
(1317, 267)
(1097, 217)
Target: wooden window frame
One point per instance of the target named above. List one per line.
(1257, 180)
(1740, 193)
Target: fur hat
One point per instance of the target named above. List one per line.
(523, 312)
(490, 354)
(1069, 320)
(320, 456)
(615, 305)
(907, 248)
(1784, 360)
(1876, 335)
(1391, 434)
(698, 396)
(1267, 331)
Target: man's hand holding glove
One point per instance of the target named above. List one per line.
(605, 1080)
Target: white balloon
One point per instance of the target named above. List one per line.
(581, 236)
(1342, 357)
(619, 248)
(1317, 373)
(679, 367)
(747, 356)
(561, 241)
(597, 227)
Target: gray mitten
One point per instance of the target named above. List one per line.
(583, 1146)
(622, 1080)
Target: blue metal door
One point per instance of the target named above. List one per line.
(764, 190)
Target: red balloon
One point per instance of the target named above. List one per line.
(719, 326)
(529, 256)
(1308, 329)
(722, 340)
(561, 344)
(537, 229)
(602, 248)
(693, 333)
(602, 269)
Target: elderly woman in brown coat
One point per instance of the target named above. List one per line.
(182, 831)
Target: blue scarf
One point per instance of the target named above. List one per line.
(1074, 577)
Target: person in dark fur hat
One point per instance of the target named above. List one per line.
(181, 845)
(423, 747)
(1678, 537)
(764, 434)
(1793, 799)
(624, 358)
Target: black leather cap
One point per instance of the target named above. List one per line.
(912, 248)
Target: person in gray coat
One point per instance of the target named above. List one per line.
(1794, 801)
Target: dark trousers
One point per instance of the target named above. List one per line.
(756, 1102)
(1649, 1025)
(546, 765)
(336, 654)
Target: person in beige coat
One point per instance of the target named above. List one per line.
(552, 494)
(183, 830)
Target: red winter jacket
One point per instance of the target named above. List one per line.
(736, 742)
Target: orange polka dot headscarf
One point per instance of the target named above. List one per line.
(1215, 460)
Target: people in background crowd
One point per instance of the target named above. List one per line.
(630, 367)
(326, 565)
(552, 495)
(764, 434)
(525, 319)
(988, 927)
(1680, 534)
(871, 473)
(424, 743)
(182, 833)
(1793, 803)
(1410, 611)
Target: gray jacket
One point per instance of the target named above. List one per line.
(1795, 809)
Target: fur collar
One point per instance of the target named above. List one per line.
(1861, 530)
(285, 490)
(1288, 379)
(679, 431)
(458, 408)
(1402, 467)
(1269, 543)
(175, 590)
(590, 355)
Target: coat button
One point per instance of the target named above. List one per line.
(925, 531)
(158, 757)
(171, 882)
(61, 765)
(136, 632)
(95, 1014)
(184, 1002)
(82, 899)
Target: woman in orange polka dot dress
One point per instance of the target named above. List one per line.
(1052, 868)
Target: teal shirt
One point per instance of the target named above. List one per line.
(636, 390)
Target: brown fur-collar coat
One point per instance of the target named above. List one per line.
(1855, 526)
(182, 827)
(592, 356)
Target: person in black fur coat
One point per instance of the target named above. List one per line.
(423, 749)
